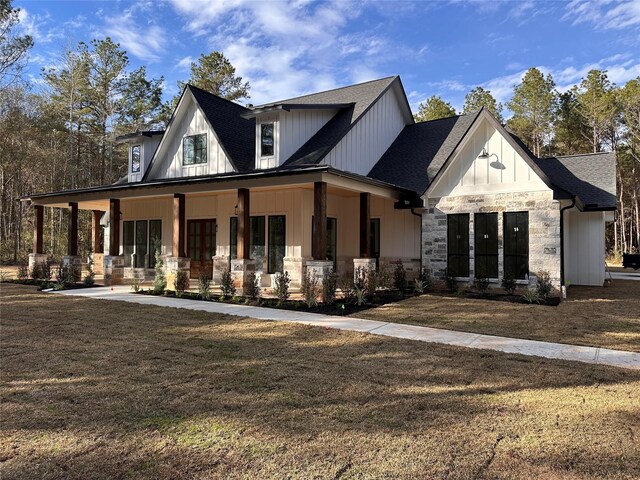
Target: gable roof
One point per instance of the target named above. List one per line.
(591, 177)
(421, 150)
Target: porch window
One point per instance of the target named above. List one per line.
(194, 149)
(332, 240)
(128, 241)
(266, 139)
(141, 243)
(374, 232)
(155, 240)
(485, 227)
(256, 240)
(135, 159)
(458, 245)
(516, 244)
(277, 242)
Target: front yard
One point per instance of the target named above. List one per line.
(595, 316)
(102, 389)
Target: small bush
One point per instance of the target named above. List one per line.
(329, 287)
(400, 277)
(204, 285)
(481, 284)
(347, 286)
(226, 284)
(451, 283)
(181, 282)
(544, 286)
(62, 277)
(36, 271)
(372, 282)
(282, 283)
(384, 277)
(135, 285)
(23, 272)
(89, 278)
(309, 289)
(159, 278)
(424, 283)
(509, 284)
(532, 295)
(252, 286)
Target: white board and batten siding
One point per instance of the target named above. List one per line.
(469, 175)
(366, 142)
(291, 130)
(148, 147)
(190, 121)
(584, 247)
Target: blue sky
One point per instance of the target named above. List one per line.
(290, 48)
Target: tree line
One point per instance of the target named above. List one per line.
(593, 116)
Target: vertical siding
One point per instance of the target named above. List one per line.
(584, 248)
(365, 143)
(191, 121)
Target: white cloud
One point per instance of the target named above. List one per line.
(35, 25)
(145, 41)
(185, 63)
(604, 14)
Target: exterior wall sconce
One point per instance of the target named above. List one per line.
(497, 164)
(235, 210)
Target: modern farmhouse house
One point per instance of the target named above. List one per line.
(341, 179)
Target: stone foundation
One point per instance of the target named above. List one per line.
(240, 270)
(294, 266)
(366, 264)
(113, 269)
(544, 230)
(220, 264)
(173, 265)
(318, 269)
(36, 259)
(74, 264)
(98, 263)
(411, 265)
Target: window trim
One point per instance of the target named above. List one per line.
(134, 245)
(139, 147)
(205, 149)
(273, 139)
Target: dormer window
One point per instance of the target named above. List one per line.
(266, 140)
(194, 149)
(135, 159)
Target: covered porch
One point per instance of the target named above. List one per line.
(319, 220)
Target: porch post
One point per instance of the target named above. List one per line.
(37, 256)
(96, 245)
(365, 221)
(114, 227)
(179, 213)
(320, 221)
(244, 220)
(242, 266)
(72, 249)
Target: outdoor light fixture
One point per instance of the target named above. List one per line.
(495, 164)
(235, 210)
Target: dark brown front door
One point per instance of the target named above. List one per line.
(201, 245)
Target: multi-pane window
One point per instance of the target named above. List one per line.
(485, 226)
(516, 244)
(135, 159)
(458, 245)
(266, 139)
(374, 234)
(332, 239)
(138, 242)
(194, 149)
(277, 243)
(257, 243)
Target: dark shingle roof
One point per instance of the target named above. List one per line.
(420, 151)
(236, 134)
(592, 177)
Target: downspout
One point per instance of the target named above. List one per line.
(419, 215)
(562, 285)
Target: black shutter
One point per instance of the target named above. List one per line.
(458, 245)
(486, 245)
(516, 244)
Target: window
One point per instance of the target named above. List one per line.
(332, 240)
(135, 159)
(194, 149)
(458, 245)
(277, 235)
(485, 227)
(516, 244)
(266, 139)
(374, 238)
(233, 241)
(137, 240)
(256, 240)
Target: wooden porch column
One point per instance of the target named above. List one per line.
(114, 227)
(365, 221)
(95, 232)
(320, 221)
(38, 227)
(72, 249)
(179, 222)
(244, 221)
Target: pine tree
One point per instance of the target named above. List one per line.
(13, 48)
(478, 98)
(570, 129)
(433, 109)
(140, 107)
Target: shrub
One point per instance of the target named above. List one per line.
(532, 295)
(181, 282)
(309, 289)
(544, 286)
(89, 278)
(204, 285)
(481, 284)
(451, 282)
(424, 283)
(347, 286)
(36, 271)
(372, 282)
(135, 284)
(159, 278)
(282, 283)
(75, 273)
(399, 277)
(226, 284)
(509, 284)
(252, 286)
(63, 277)
(329, 286)
(23, 272)
(384, 277)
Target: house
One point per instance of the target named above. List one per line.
(338, 180)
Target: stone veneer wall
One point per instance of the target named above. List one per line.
(544, 229)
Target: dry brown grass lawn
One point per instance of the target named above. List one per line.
(598, 316)
(100, 389)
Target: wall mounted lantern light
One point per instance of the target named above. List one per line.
(235, 210)
(495, 164)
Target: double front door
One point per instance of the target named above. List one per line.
(201, 245)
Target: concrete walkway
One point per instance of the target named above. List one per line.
(561, 351)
